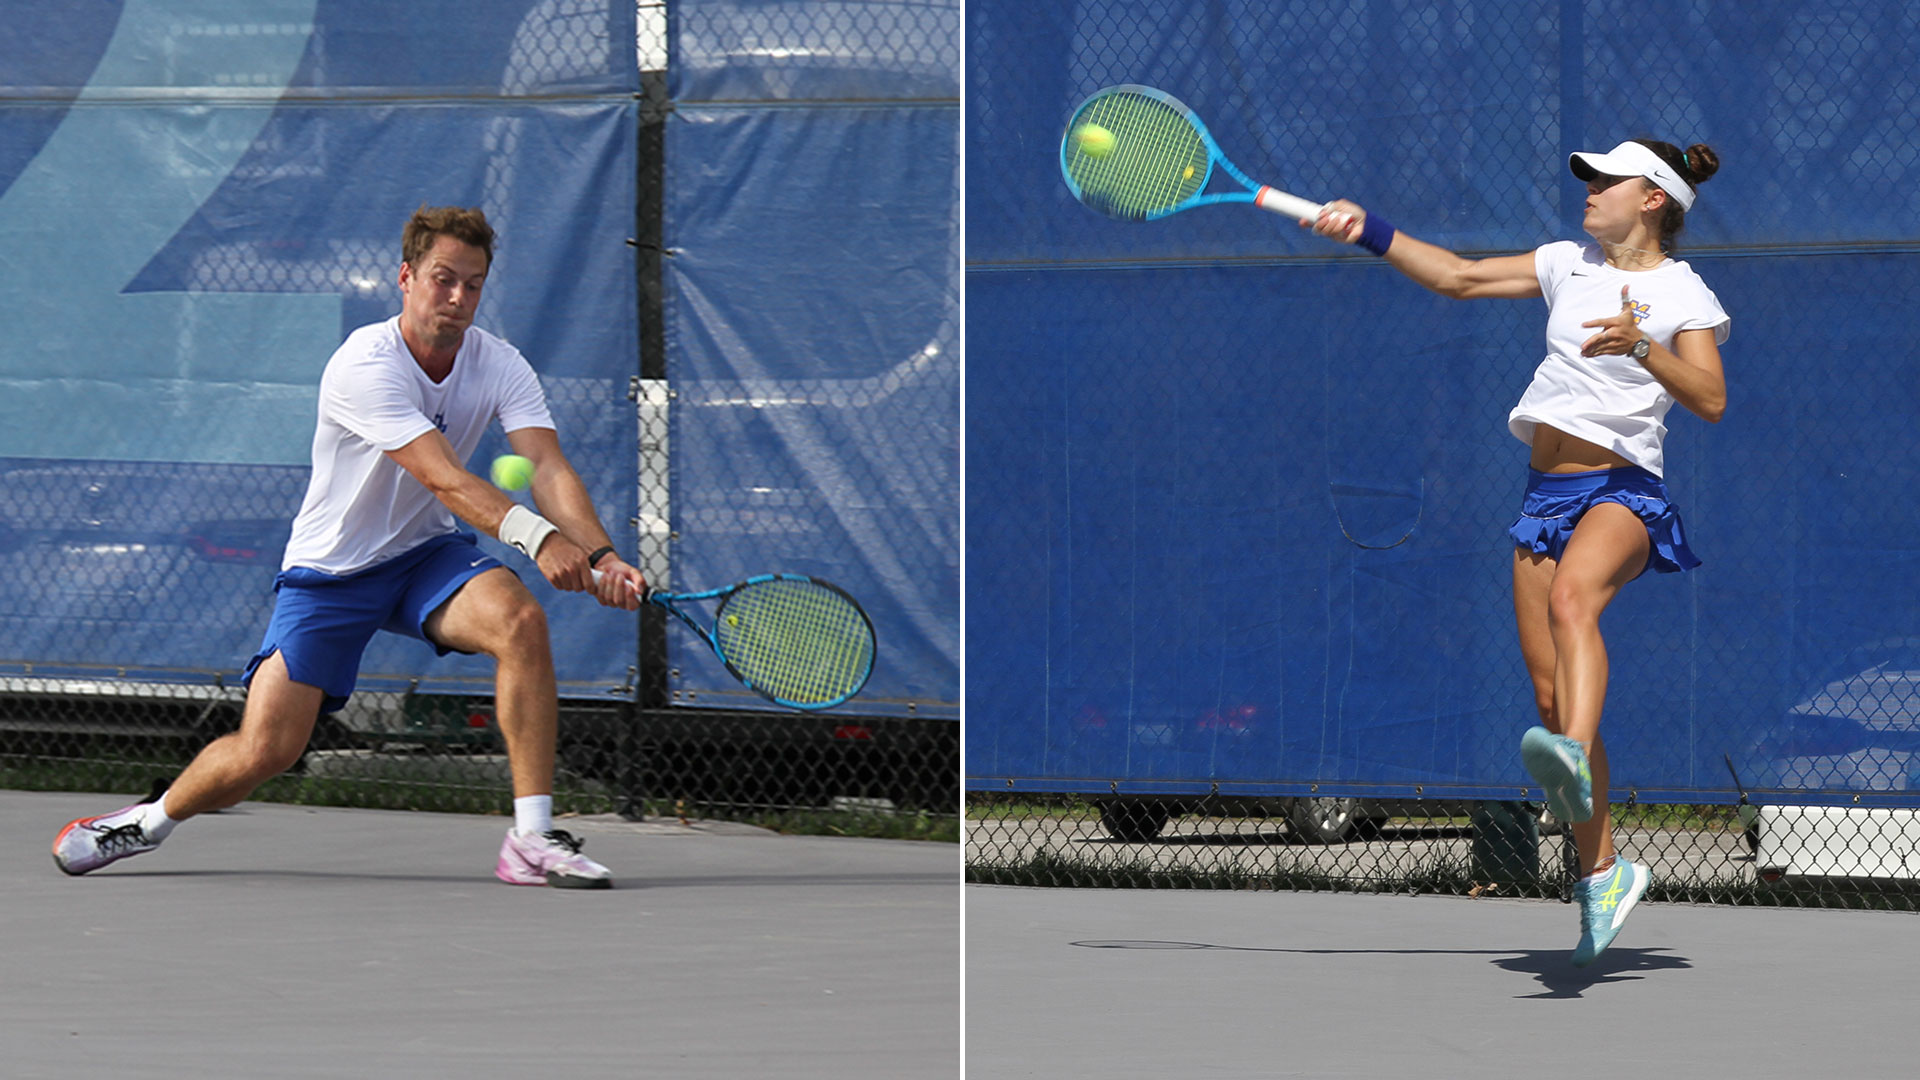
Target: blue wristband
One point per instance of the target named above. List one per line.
(1376, 234)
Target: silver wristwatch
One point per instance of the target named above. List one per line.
(1641, 348)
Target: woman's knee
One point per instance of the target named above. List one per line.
(1573, 606)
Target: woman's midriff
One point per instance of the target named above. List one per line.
(1555, 451)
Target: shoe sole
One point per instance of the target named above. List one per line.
(568, 881)
(1559, 779)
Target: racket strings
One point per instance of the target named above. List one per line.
(797, 641)
(1159, 158)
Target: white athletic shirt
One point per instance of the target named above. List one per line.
(1611, 401)
(363, 509)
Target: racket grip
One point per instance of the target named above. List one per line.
(1281, 202)
(598, 575)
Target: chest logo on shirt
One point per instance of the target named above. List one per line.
(1640, 311)
(440, 421)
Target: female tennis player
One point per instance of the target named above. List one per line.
(1630, 331)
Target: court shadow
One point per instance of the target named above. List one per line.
(1554, 972)
(1550, 967)
(298, 875)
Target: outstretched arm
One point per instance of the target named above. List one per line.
(1502, 276)
(562, 497)
(562, 560)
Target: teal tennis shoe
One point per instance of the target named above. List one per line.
(1559, 765)
(1606, 900)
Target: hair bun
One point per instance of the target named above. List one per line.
(1700, 163)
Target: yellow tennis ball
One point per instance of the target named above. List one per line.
(1095, 141)
(733, 620)
(512, 472)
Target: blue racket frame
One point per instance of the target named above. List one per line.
(1260, 194)
(670, 602)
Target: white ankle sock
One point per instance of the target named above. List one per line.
(533, 815)
(154, 820)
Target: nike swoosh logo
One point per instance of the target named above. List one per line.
(476, 562)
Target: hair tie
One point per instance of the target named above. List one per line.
(1684, 162)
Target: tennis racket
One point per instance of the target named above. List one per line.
(1137, 154)
(797, 641)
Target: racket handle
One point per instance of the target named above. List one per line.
(598, 575)
(1281, 202)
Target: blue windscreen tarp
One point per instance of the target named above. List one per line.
(813, 320)
(1238, 496)
(198, 200)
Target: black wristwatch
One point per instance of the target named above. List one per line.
(594, 559)
(1641, 348)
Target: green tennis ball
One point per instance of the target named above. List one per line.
(1095, 141)
(512, 472)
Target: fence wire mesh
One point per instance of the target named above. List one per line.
(1239, 586)
(1783, 856)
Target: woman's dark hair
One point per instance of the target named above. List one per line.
(1696, 165)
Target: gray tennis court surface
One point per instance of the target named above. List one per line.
(284, 941)
(1119, 984)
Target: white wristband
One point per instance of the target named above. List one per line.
(525, 530)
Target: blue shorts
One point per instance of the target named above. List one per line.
(322, 622)
(1555, 502)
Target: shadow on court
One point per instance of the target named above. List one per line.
(1549, 967)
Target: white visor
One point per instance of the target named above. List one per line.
(1633, 159)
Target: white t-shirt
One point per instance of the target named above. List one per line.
(363, 509)
(1611, 401)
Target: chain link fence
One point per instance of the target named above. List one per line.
(1239, 585)
(118, 577)
(1800, 856)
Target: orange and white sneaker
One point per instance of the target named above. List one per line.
(89, 843)
(549, 858)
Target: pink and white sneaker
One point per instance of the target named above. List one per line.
(90, 843)
(551, 858)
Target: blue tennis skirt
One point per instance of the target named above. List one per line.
(1555, 502)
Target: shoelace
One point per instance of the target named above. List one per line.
(121, 836)
(565, 839)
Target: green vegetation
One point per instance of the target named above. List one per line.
(465, 791)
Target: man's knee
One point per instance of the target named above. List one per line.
(259, 753)
(523, 631)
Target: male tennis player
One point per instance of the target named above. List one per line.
(375, 547)
(1630, 331)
